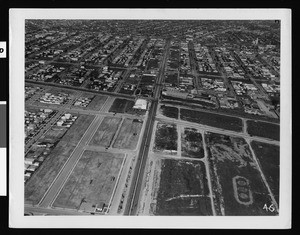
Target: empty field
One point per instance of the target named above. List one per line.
(183, 189)
(40, 181)
(263, 129)
(97, 103)
(92, 181)
(237, 185)
(268, 156)
(129, 134)
(169, 111)
(166, 137)
(192, 143)
(212, 119)
(121, 105)
(106, 131)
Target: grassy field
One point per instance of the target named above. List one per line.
(263, 129)
(169, 111)
(129, 134)
(92, 180)
(230, 157)
(165, 137)
(268, 156)
(192, 143)
(183, 189)
(106, 132)
(211, 119)
(40, 181)
(121, 105)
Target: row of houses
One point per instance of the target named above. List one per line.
(49, 98)
(66, 120)
(204, 59)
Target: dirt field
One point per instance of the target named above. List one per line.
(129, 134)
(269, 158)
(191, 143)
(263, 129)
(211, 119)
(236, 182)
(97, 103)
(106, 132)
(183, 189)
(39, 182)
(165, 137)
(92, 180)
(54, 134)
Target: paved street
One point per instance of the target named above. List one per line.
(134, 193)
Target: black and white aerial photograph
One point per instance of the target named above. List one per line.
(152, 117)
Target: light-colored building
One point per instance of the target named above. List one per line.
(140, 104)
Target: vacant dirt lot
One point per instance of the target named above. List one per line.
(97, 103)
(129, 134)
(106, 132)
(121, 105)
(92, 180)
(53, 134)
(183, 189)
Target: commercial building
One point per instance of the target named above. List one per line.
(140, 104)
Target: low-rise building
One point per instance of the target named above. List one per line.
(140, 104)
